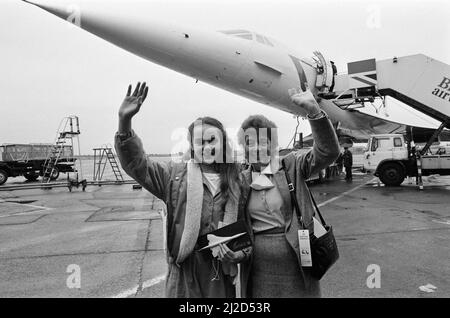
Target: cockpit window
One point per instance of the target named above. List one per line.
(263, 40)
(246, 36)
(234, 32)
(260, 38)
(243, 34)
(268, 42)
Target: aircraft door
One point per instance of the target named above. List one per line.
(326, 70)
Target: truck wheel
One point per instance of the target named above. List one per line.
(55, 174)
(391, 174)
(3, 176)
(31, 176)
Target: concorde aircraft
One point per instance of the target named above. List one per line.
(242, 62)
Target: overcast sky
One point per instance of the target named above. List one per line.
(49, 69)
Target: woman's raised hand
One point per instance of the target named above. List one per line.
(305, 99)
(133, 102)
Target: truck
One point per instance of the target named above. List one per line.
(28, 160)
(392, 158)
(418, 81)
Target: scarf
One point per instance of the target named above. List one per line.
(194, 205)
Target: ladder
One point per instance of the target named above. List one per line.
(102, 156)
(68, 128)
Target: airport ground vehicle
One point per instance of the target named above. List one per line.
(46, 160)
(392, 158)
(420, 82)
(29, 160)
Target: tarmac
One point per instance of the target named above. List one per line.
(108, 241)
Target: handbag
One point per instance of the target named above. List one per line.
(324, 250)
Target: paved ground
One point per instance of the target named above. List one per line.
(403, 231)
(113, 235)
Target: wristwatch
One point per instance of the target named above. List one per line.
(124, 136)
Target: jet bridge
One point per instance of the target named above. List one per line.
(419, 81)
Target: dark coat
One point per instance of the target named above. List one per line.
(347, 157)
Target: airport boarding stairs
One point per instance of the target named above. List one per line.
(419, 81)
(68, 129)
(102, 156)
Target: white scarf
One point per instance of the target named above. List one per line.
(194, 204)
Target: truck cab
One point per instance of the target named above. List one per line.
(387, 157)
(391, 159)
(384, 147)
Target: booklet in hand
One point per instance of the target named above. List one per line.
(234, 235)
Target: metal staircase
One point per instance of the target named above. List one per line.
(102, 156)
(67, 130)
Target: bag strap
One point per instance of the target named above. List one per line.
(294, 197)
(317, 208)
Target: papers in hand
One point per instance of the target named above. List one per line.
(235, 235)
(319, 230)
(214, 240)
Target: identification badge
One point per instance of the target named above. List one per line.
(305, 248)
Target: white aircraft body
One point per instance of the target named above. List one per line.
(242, 62)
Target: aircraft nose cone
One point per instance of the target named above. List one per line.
(59, 8)
(121, 25)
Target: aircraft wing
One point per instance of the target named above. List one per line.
(371, 125)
